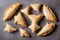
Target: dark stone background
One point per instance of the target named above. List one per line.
(55, 35)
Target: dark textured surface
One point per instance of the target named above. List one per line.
(54, 4)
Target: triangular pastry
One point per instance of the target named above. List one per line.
(10, 11)
(26, 10)
(36, 7)
(35, 19)
(49, 14)
(24, 33)
(9, 28)
(19, 19)
(46, 29)
(34, 27)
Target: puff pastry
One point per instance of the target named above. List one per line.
(35, 19)
(24, 33)
(10, 11)
(19, 19)
(36, 7)
(49, 13)
(46, 29)
(9, 28)
(26, 10)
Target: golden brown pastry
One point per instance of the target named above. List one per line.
(46, 29)
(19, 19)
(24, 33)
(35, 19)
(49, 14)
(9, 28)
(34, 27)
(36, 7)
(10, 11)
(26, 10)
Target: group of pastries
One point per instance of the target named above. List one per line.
(35, 18)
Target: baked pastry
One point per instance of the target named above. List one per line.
(10, 11)
(46, 29)
(9, 28)
(49, 14)
(26, 10)
(35, 19)
(24, 33)
(34, 27)
(36, 7)
(19, 19)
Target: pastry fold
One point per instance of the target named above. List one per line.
(26, 10)
(35, 19)
(36, 7)
(9, 28)
(34, 27)
(24, 33)
(10, 11)
(49, 14)
(46, 29)
(19, 19)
